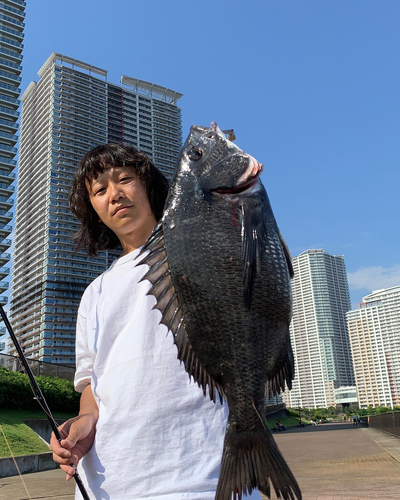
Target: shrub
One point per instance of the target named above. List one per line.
(15, 392)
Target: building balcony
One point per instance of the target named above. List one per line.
(5, 244)
(6, 177)
(9, 66)
(6, 189)
(13, 23)
(18, 12)
(12, 44)
(7, 162)
(9, 101)
(8, 112)
(5, 217)
(10, 55)
(5, 203)
(9, 127)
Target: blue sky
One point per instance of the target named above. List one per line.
(311, 88)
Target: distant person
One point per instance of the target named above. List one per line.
(355, 420)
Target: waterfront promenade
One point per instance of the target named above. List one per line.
(330, 462)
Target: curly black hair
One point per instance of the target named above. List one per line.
(93, 235)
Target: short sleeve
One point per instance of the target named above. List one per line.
(84, 360)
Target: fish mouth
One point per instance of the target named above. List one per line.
(246, 181)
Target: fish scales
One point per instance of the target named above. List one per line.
(221, 275)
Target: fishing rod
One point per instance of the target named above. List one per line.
(38, 395)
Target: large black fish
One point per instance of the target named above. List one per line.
(221, 271)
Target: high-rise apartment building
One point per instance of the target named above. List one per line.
(12, 15)
(374, 331)
(318, 330)
(71, 109)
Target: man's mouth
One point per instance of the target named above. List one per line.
(119, 209)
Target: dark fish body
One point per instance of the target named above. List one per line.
(221, 275)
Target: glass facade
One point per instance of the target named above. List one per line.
(68, 112)
(374, 331)
(12, 15)
(319, 333)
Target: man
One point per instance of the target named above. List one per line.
(143, 430)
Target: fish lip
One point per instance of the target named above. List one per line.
(238, 188)
(246, 181)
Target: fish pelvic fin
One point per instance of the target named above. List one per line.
(254, 236)
(252, 461)
(172, 316)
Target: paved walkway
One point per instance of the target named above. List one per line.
(339, 461)
(330, 462)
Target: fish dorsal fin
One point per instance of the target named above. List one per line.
(287, 255)
(254, 237)
(167, 303)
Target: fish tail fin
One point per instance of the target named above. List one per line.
(251, 461)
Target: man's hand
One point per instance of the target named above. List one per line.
(78, 435)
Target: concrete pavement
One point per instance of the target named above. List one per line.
(330, 462)
(342, 462)
(48, 485)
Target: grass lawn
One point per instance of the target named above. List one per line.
(287, 421)
(21, 438)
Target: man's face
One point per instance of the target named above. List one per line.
(120, 201)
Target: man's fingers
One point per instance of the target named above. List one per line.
(62, 457)
(66, 461)
(69, 471)
(68, 444)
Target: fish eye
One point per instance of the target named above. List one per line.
(195, 154)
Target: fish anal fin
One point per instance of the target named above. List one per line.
(282, 376)
(167, 302)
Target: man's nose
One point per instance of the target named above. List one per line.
(116, 191)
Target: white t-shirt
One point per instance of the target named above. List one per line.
(157, 436)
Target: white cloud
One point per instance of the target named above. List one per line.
(374, 278)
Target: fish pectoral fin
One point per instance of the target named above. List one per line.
(172, 317)
(287, 255)
(254, 235)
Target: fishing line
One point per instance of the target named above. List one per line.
(15, 462)
(259, 416)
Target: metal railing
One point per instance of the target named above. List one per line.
(386, 422)
(38, 367)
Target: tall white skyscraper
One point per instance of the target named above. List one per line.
(319, 333)
(374, 331)
(12, 15)
(71, 109)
